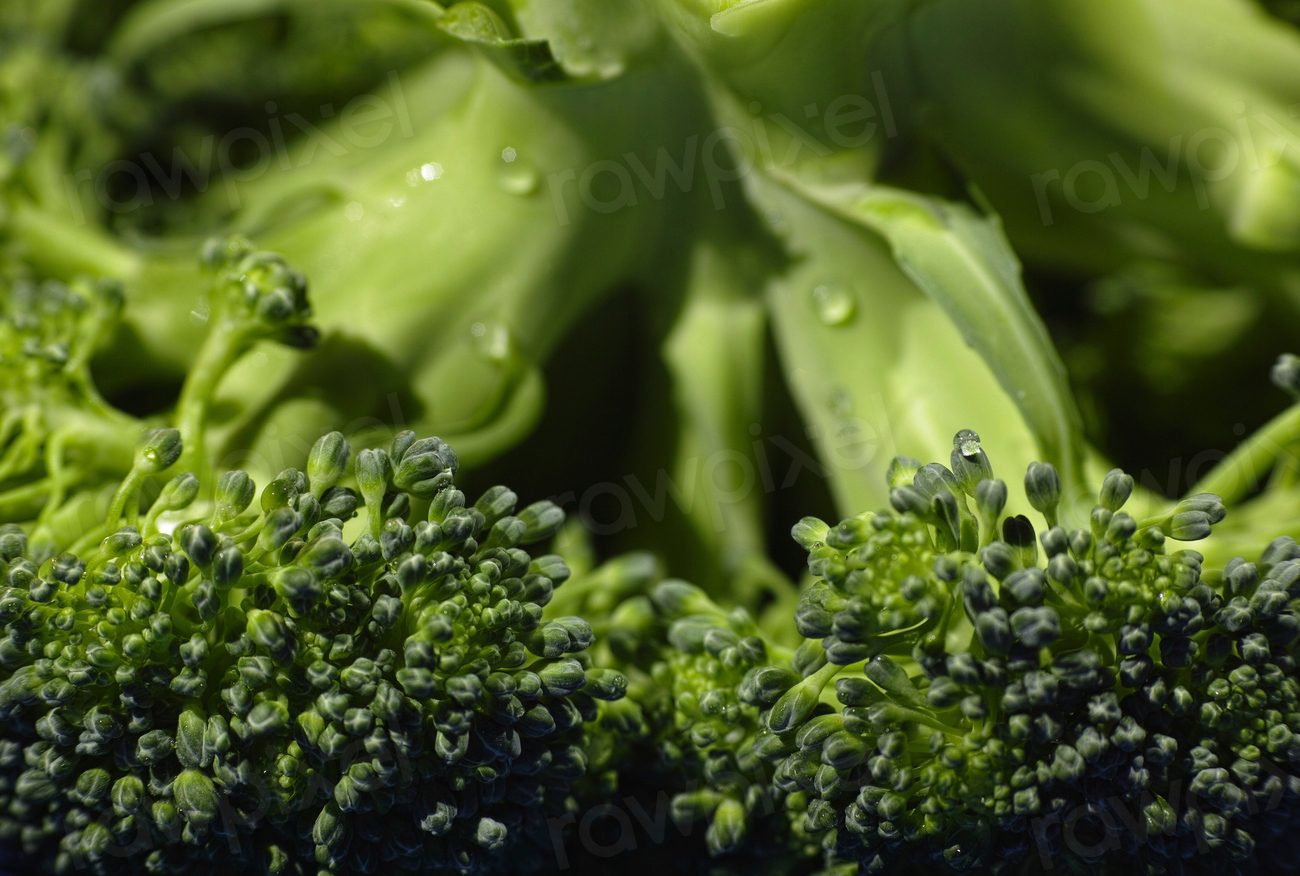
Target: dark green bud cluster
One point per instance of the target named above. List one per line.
(714, 725)
(346, 672)
(991, 694)
(259, 292)
(690, 730)
(874, 588)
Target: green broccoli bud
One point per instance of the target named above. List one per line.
(327, 462)
(969, 461)
(160, 450)
(1043, 488)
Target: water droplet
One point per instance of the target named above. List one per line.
(493, 341)
(967, 441)
(509, 154)
(429, 171)
(834, 303)
(354, 212)
(398, 202)
(847, 427)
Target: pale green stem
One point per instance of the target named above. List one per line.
(23, 502)
(57, 475)
(1240, 471)
(66, 249)
(161, 22)
(125, 493)
(22, 453)
(219, 351)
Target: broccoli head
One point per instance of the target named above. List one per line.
(350, 671)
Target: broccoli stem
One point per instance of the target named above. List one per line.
(66, 249)
(222, 347)
(24, 502)
(150, 25)
(129, 489)
(1234, 478)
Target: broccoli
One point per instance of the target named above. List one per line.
(64, 447)
(356, 669)
(970, 691)
(351, 669)
(457, 347)
(512, 121)
(1154, 214)
(350, 672)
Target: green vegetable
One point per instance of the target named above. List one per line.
(362, 201)
(1146, 179)
(648, 253)
(970, 691)
(269, 684)
(538, 134)
(63, 445)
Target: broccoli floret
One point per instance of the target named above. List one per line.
(63, 448)
(352, 671)
(686, 738)
(974, 691)
(988, 692)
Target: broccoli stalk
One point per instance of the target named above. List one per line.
(403, 239)
(1145, 179)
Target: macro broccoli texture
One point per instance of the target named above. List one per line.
(684, 729)
(64, 447)
(972, 692)
(350, 672)
(698, 275)
(767, 239)
(1086, 695)
(199, 674)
